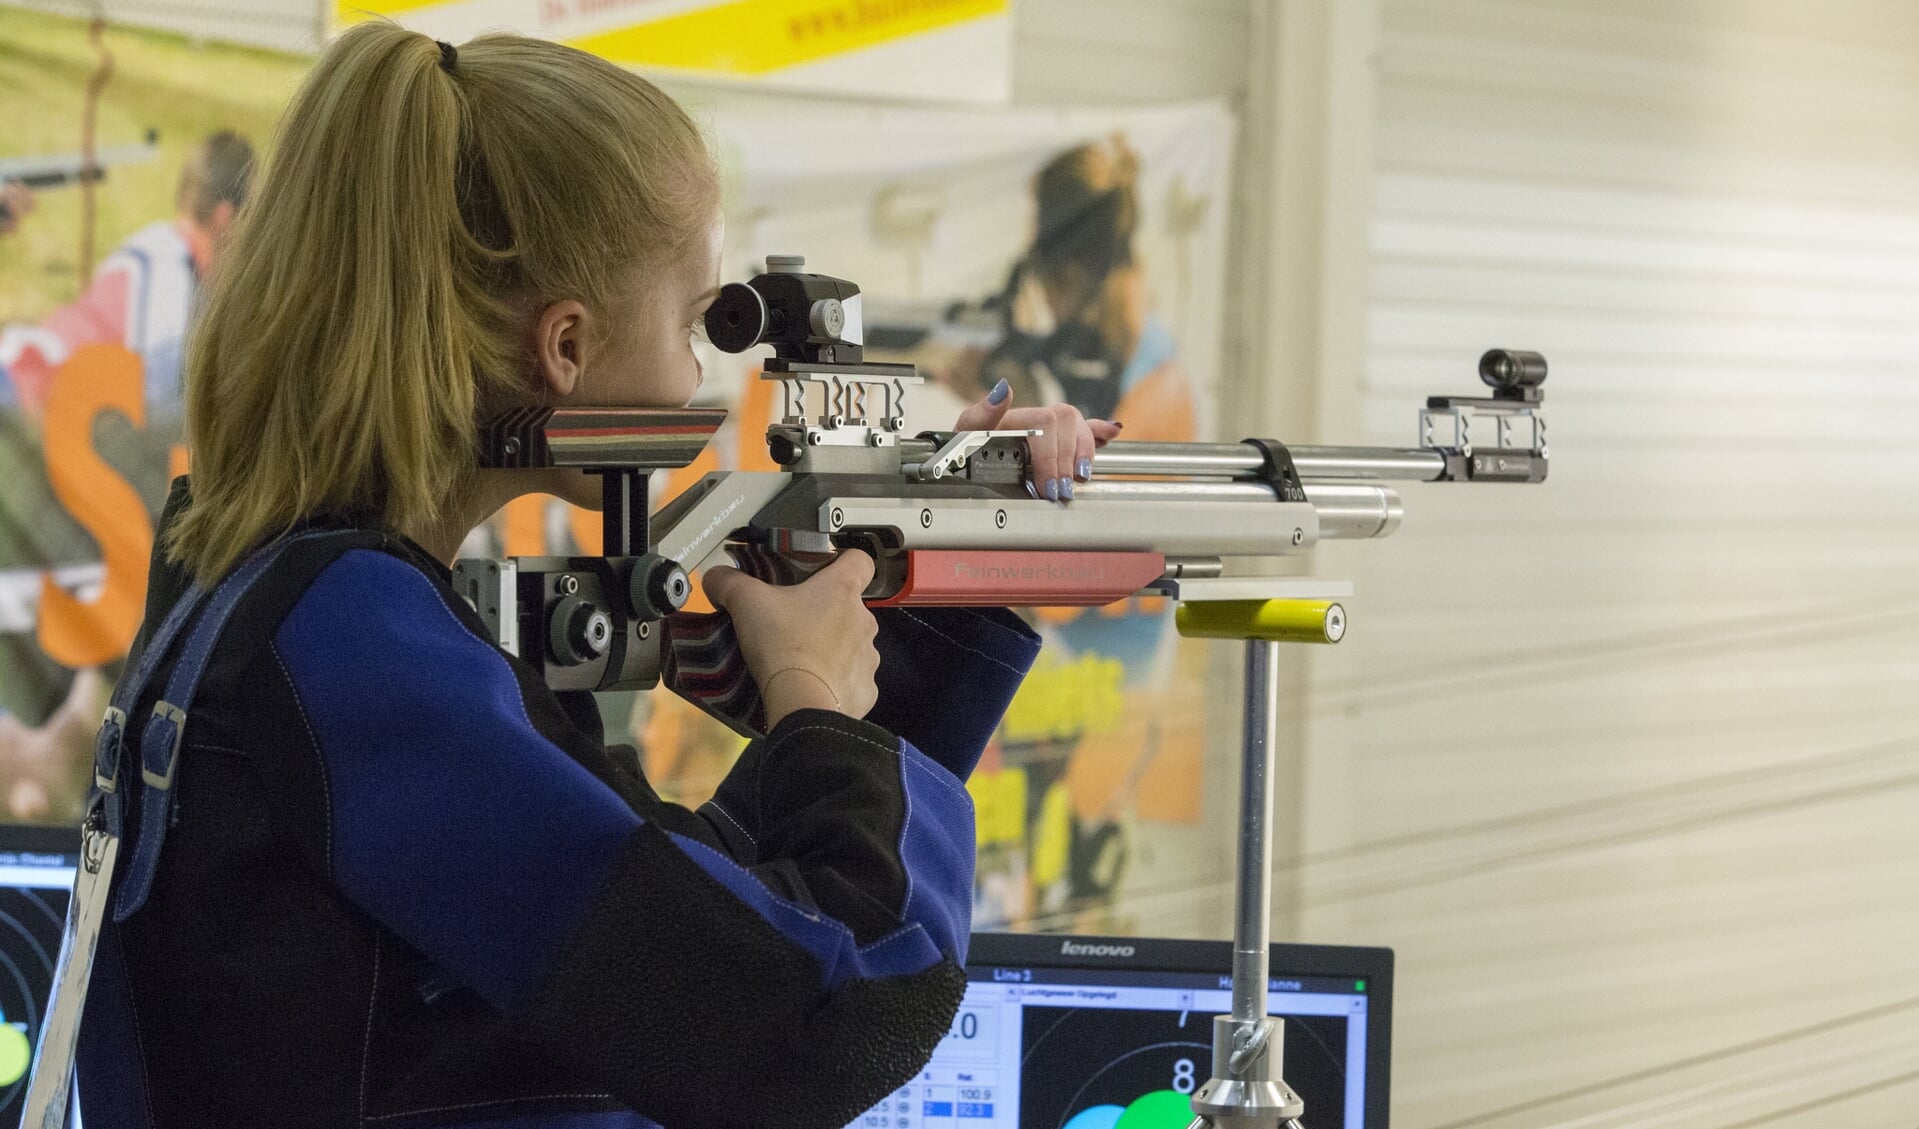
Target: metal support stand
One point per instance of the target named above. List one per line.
(1246, 1090)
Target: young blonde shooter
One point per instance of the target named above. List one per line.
(403, 881)
(416, 214)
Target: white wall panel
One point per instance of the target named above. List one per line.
(1626, 766)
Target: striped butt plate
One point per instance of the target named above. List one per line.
(598, 438)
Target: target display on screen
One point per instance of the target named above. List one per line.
(1109, 1068)
(1116, 1033)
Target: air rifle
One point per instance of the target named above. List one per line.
(946, 515)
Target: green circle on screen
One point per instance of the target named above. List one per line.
(1161, 1109)
(16, 1054)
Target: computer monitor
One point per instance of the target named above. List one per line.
(36, 881)
(1062, 1032)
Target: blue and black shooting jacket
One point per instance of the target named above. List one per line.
(408, 886)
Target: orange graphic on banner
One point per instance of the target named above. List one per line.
(589, 529)
(96, 379)
(523, 526)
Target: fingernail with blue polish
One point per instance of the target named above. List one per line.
(1066, 488)
(1032, 489)
(999, 393)
(1085, 469)
(1052, 489)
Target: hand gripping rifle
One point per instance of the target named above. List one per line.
(948, 520)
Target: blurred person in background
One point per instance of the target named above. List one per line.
(142, 296)
(1079, 328)
(1080, 324)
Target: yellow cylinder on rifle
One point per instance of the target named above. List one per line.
(1276, 621)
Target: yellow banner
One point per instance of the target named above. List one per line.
(751, 37)
(346, 13)
(736, 37)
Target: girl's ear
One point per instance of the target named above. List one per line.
(559, 346)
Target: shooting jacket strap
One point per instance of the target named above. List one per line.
(50, 1086)
(161, 738)
(109, 796)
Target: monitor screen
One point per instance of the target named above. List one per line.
(36, 880)
(1116, 1033)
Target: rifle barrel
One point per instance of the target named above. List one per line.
(1348, 511)
(1238, 460)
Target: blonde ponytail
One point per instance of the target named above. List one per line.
(371, 302)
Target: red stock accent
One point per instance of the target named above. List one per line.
(996, 578)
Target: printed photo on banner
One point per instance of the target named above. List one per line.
(98, 283)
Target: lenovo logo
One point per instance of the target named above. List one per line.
(1074, 949)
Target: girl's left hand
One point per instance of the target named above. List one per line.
(1060, 457)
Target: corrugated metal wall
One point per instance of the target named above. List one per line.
(1627, 767)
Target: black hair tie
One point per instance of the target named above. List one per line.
(448, 56)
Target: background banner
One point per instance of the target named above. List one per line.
(1078, 255)
(942, 49)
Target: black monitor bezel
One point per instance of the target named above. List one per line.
(41, 838)
(1159, 954)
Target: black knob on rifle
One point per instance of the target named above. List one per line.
(783, 449)
(1508, 370)
(658, 588)
(577, 632)
(738, 319)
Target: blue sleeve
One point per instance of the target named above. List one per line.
(947, 676)
(605, 928)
